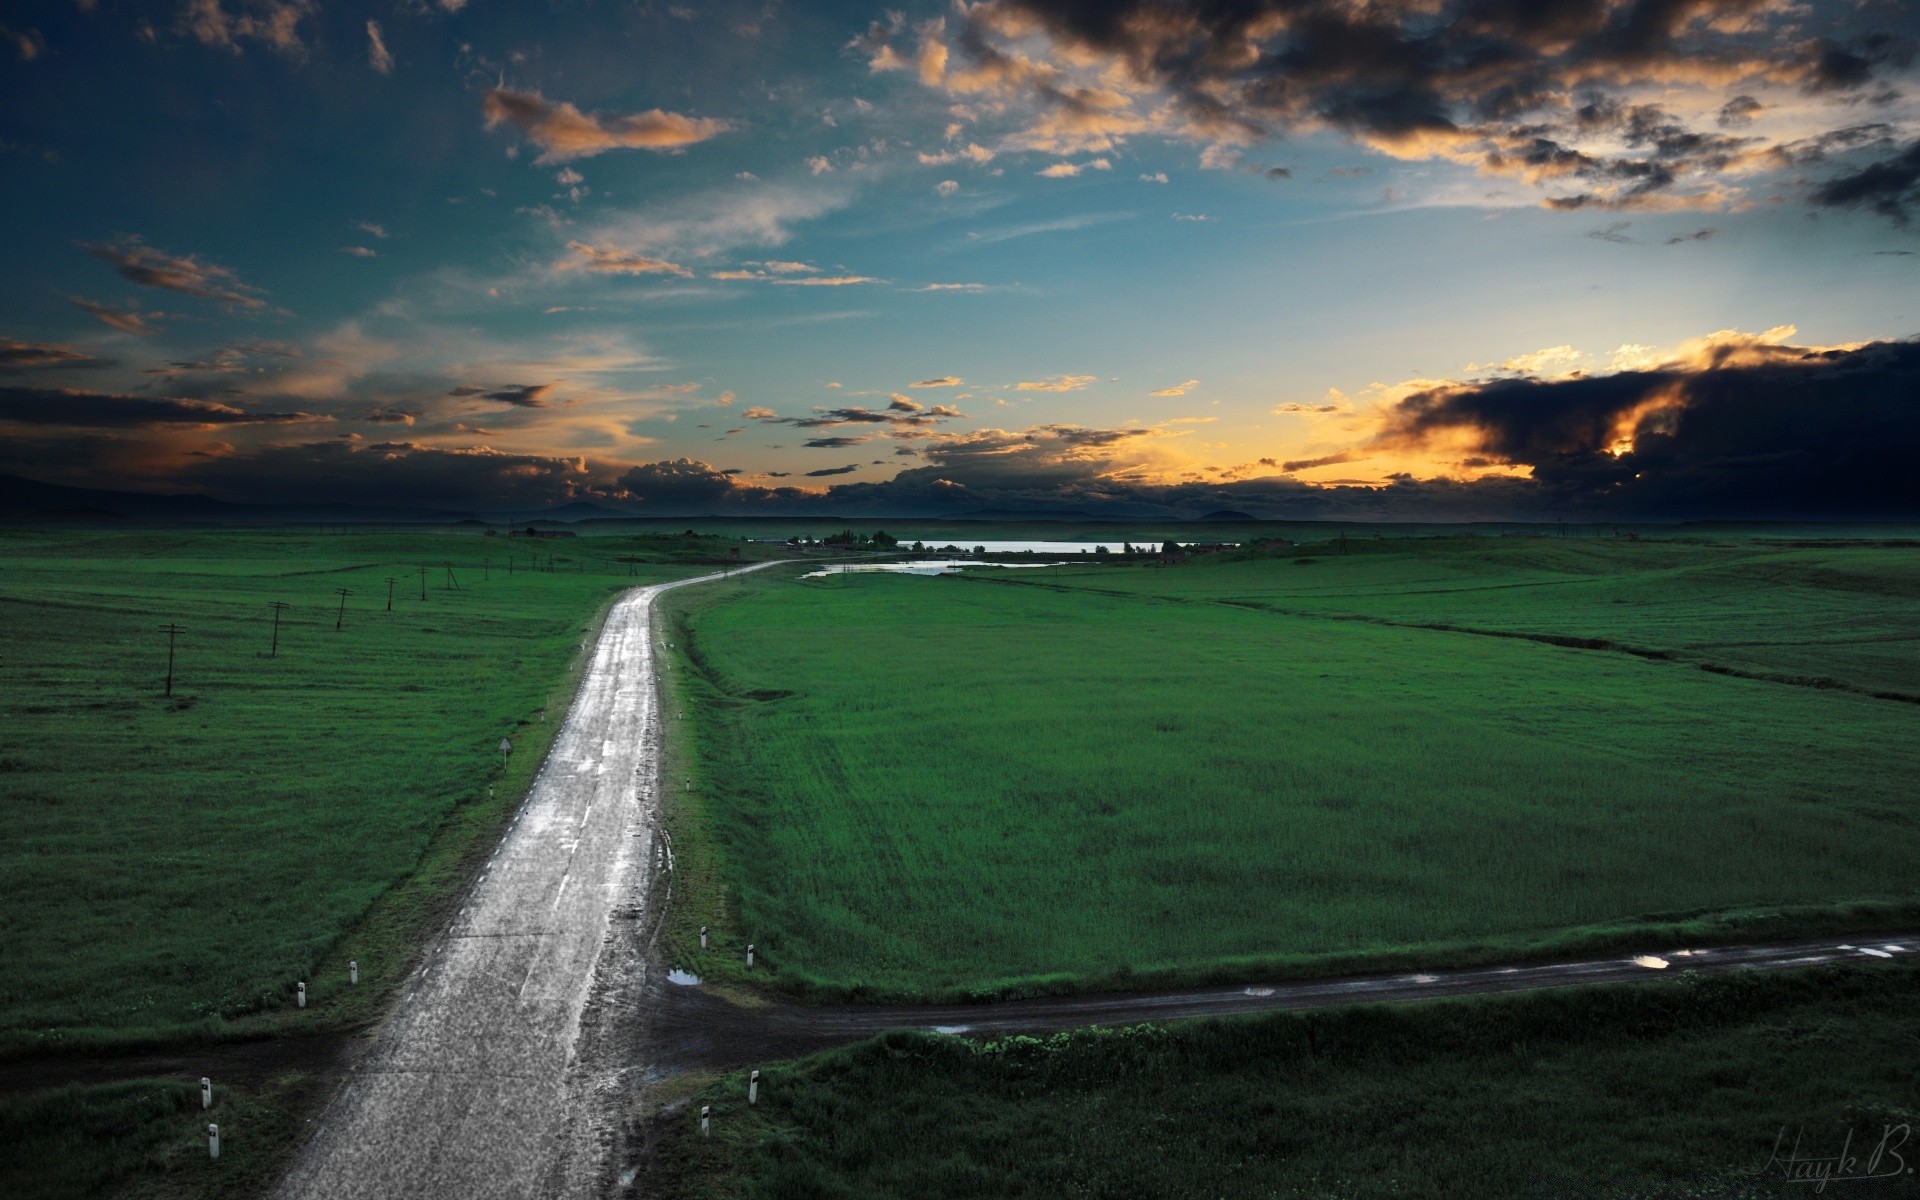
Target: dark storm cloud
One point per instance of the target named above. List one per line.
(1508, 85)
(833, 443)
(824, 471)
(1890, 187)
(106, 410)
(520, 395)
(1749, 432)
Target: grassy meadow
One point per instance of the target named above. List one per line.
(1115, 775)
(174, 866)
(1661, 1090)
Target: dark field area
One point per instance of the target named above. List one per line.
(175, 865)
(1675, 1089)
(1110, 775)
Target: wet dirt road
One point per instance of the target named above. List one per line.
(696, 1029)
(498, 1075)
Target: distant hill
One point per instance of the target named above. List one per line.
(30, 500)
(1025, 514)
(1228, 514)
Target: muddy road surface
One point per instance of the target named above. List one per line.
(500, 1072)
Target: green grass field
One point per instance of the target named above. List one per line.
(174, 866)
(1108, 776)
(1665, 1090)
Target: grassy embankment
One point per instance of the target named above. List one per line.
(1116, 776)
(174, 866)
(1674, 1089)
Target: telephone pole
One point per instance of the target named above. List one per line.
(423, 581)
(486, 570)
(453, 585)
(276, 606)
(390, 582)
(170, 630)
(342, 614)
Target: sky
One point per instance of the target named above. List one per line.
(1399, 259)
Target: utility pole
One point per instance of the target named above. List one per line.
(170, 630)
(423, 581)
(453, 585)
(390, 582)
(486, 570)
(276, 605)
(342, 614)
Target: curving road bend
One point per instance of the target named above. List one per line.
(499, 1074)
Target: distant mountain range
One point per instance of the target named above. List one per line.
(33, 501)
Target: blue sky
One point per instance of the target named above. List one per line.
(1149, 257)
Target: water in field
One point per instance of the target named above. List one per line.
(1110, 545)
(944, 566)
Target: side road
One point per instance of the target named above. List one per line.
(695, 1029)
(499, 1073)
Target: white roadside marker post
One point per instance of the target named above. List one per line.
(753, 1089)
(213, 1141)
(703, 937)
(206, 1093)
(706, 1130)
(749, 956)
(301, 995)
(353, 970)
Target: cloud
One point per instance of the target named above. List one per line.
(392, 416)
(359, 252)
(951, 287)
(1737, 425)
(720, 220)
(1698, 235)
(1889, 187)
(834, 443)
(901, 413)
(1067, 170)
(938, 381)
(563, 132)
(126, 320)
(1594, 104)
(27, 43)
(1065, 383)
(1308, 464)
(826, 281)
(947, 187)
(611, 260)
(1155, 177)
(832, 471)
(377, 56)
(18, 355)
(109, 410)
(1178, 389)
(142, 264)
(274, 22)
(372, 229)
(1615, 233)
(520, 395)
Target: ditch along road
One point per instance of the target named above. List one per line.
(500, 1074)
